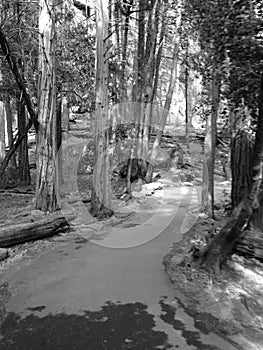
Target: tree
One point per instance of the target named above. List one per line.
(2, 126)
(101, 194)
(47, 191)
(219, 250)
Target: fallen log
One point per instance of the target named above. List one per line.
(250, 245)
(44, 227)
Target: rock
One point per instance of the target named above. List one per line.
(3, 254)
(152, 186)
(37, 214)
(218, 206)
(148, 189)
(188, 184)
(203, 216)
(136, 186)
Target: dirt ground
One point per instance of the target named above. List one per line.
(231, 306)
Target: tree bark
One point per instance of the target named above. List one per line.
(23, 162)
(101, 194)
(47, 193)
(42, 228)
(2, 131)
(9, 127)
(219, 250)
(165, 113)
(241, 157)
(18, 78)
(210, 145)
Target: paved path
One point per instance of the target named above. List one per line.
(89, 296)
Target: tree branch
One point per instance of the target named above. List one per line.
(18, 78)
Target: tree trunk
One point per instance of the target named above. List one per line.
(29, 231)
(65, 114)
(221, 247)
(23, 162)
(59, 138)
(47, 194)
(241, 157)
(187, 97)
(18, 77)
(165, 113)
(210, 145)
(2, 131)
(9, 127)
(101, 194)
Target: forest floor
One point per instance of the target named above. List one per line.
(232, 306)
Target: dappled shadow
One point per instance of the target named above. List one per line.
(192, 337)
(115, 326)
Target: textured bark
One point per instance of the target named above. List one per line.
(221, 247)
(47, 194)
(124, 41)
(18, 78)
(2, 131)
(250, 245)
(187, 97)
(210, 146)
(23, 162)
(16, 142)
(9, 127)
(101, 194)
(165, 113)
(24, 232)
(241, 166)
(65, 114)
(59, 138)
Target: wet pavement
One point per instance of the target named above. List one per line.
(88, 296)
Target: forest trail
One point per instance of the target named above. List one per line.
(87, 296)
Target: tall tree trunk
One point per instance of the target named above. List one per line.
(65, 114)
(101, 194)
(2, 131)
(241, 157)
(23, 162)
(210, 144)
(220, 248)
(9, 127)
(18, 78)
(166, 110)
(187, 96)
(59, 137)
(2, 125)
(47, 192)
(124, 42)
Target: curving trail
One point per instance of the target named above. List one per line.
(88, 296)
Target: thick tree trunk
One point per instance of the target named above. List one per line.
(222, 245)
(23, 162)
(47, 194)
(59, 138)
(101, 194)
(250, 245)
(241, 165)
